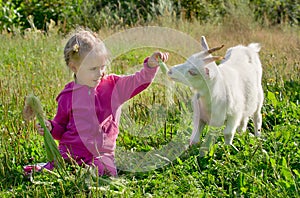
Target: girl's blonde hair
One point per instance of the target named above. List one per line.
(81, 43)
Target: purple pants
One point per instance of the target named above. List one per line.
(104, 163)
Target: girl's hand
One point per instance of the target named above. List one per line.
(153, 60)
(40, 128)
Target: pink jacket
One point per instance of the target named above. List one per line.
(87, 118)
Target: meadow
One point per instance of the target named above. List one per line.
(155, 126)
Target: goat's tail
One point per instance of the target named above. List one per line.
(255, 47)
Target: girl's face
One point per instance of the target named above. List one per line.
(91, 69)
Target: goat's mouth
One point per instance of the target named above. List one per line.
(185, 82)
(169, 75)
(172, 78)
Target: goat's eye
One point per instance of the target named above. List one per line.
(193, 72)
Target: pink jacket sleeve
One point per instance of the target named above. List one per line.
(61, 119)
(128, 86)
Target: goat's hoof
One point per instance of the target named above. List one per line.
(193, 143)
(187, 146)
(234, 148)
(258, 134)
(228, 138)
(228, 142)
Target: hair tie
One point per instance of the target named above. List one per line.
(76, 48)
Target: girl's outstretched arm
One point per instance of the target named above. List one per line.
(127, 87)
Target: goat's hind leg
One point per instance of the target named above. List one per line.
(257, 117)
(243, 126)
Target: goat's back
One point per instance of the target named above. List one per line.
(242, 71)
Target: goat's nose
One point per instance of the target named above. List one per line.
(170, 72)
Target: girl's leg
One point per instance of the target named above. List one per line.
(49, 166)
(106, 165)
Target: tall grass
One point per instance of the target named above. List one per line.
(266, 167)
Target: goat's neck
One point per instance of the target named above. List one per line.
(213, 87)
(213, 99)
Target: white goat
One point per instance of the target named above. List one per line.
(226, 94)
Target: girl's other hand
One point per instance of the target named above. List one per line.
(40, 128)
(153, 60)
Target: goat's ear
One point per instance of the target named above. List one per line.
(212, 59)
(206, 71)
(228, 54)
(193, 72)
(204, 43)
(209, 72)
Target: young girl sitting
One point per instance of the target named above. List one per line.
(89, 108)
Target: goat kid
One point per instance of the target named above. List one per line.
(227, 94)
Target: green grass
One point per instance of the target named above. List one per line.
(263, 167)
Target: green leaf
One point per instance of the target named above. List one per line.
(273, 163)
(179, 161)
(296, 172)
(271, 96)
(287, 174)
(284, 164)
(244, 190)
(163, 66)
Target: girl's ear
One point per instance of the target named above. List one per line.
(73, 67)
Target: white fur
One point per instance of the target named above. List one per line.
(226, 94)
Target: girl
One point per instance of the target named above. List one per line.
(87, 118)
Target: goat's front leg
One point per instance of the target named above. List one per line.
(197, 131)
(230, 129)
(198, 124)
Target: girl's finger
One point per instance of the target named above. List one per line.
(164, 56)
(157, 55)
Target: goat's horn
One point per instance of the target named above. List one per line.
(214, 49)
(213, 58)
